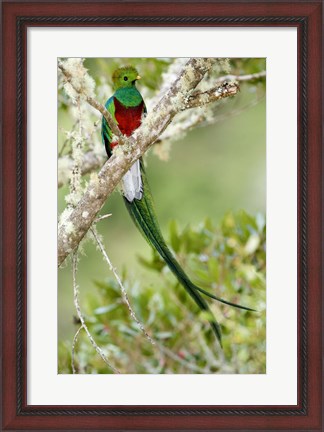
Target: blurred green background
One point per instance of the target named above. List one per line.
(213, 172)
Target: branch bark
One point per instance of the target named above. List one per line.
(212, 95)
(173, 101)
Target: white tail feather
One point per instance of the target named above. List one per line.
(132, 183)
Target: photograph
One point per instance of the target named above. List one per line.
(169, 276)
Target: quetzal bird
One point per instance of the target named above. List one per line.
(127, 108)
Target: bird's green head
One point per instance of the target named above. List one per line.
(125, 76)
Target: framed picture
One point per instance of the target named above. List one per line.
(101, 346)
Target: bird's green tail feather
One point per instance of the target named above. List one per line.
(143, 214)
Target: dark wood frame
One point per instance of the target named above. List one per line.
(307, 17)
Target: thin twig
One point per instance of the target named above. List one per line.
(249, 77)
(67, 140)
(122, 288)
(160, 347)
(100, 218)
(83, 324)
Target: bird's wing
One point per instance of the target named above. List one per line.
(106, 133)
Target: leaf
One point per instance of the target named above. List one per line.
(104, 309)
(174, 236)
(252, 244)
(163, 335)
(213, 267)
(156, 263)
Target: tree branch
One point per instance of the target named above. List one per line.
(202, 98)
(82, 216)
(92, 161)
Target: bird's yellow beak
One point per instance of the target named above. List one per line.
(138, 77)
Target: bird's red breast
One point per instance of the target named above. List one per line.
(128, 118)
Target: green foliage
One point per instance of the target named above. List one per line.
(228, 261)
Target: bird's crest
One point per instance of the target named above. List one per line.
(125, 76)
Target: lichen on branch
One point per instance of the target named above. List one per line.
(179, 97)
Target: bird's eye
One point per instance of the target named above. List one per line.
(125, 79)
